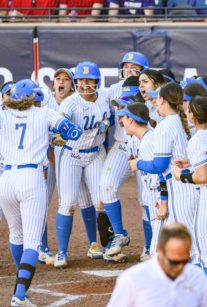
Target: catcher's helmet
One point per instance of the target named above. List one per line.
(136, 58)
(26, 88)
(88, 70)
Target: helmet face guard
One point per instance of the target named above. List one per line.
(87, 70)
(85, 88)
(135, 58)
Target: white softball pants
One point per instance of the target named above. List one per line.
(23, 197)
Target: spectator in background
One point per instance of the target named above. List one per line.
(32, 4)
(183, 7)
(133, 7)
(93, 4)
(4, 4)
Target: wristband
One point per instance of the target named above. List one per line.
(163, 189)
(187, 178)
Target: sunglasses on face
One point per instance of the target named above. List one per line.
(174, 263)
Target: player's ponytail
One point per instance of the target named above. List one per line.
(173, 94)
(21, 105)
(181, 113)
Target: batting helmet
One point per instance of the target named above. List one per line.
(88, 70)
(136, 58)
(26, 88)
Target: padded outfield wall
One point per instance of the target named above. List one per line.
(178, 46)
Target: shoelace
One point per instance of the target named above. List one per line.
(116, 240)
(61, 256)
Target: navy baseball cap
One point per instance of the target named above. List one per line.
(126, 111)
(123, 101)
(153, 94)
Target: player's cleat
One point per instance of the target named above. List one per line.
(118, 242)
(120, 258)
(145, 255)
(95, 251)
(46, 257)
(16, 302)
(61, 260)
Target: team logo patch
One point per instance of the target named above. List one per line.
(130, 56)
(85, 70)
(126, 89)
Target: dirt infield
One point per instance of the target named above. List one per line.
(84, 282)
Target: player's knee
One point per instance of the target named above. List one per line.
(109, 193)
(66, 210)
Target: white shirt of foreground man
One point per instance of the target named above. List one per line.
(164, 281)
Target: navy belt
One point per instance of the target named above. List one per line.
(8, 167)
(93, 149)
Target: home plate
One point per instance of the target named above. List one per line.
(104, 273)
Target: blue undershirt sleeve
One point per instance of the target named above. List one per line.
(156, 166)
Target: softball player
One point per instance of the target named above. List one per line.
(83, 159)
(135, 118)
(197, 154)
(63, 86)
(150, 80)
(116, 169)
(24, 139)
(170, 141)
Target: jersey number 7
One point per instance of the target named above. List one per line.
(23, 126)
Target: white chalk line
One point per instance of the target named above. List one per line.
(67, 298)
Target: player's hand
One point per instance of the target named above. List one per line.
(181, 162)
(176, 173)
(103, 126)
(162, 207)
(57, 140)
(133, 164)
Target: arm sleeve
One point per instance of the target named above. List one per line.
(155, 166)
(163, 147)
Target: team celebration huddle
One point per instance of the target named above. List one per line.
(88, 141)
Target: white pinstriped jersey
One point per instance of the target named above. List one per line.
(87, 115)
(150, 181)
(115, 91)
(197, 149)
(133, 144)
(24, 135)
(170, 139)
(153, 112)
(49, 99)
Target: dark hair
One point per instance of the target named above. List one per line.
(173, 230)
(194, 89)
(198, 106)
(140, 109)
(154, 75)
(167, 74)
(131, 81)
(173, 94)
